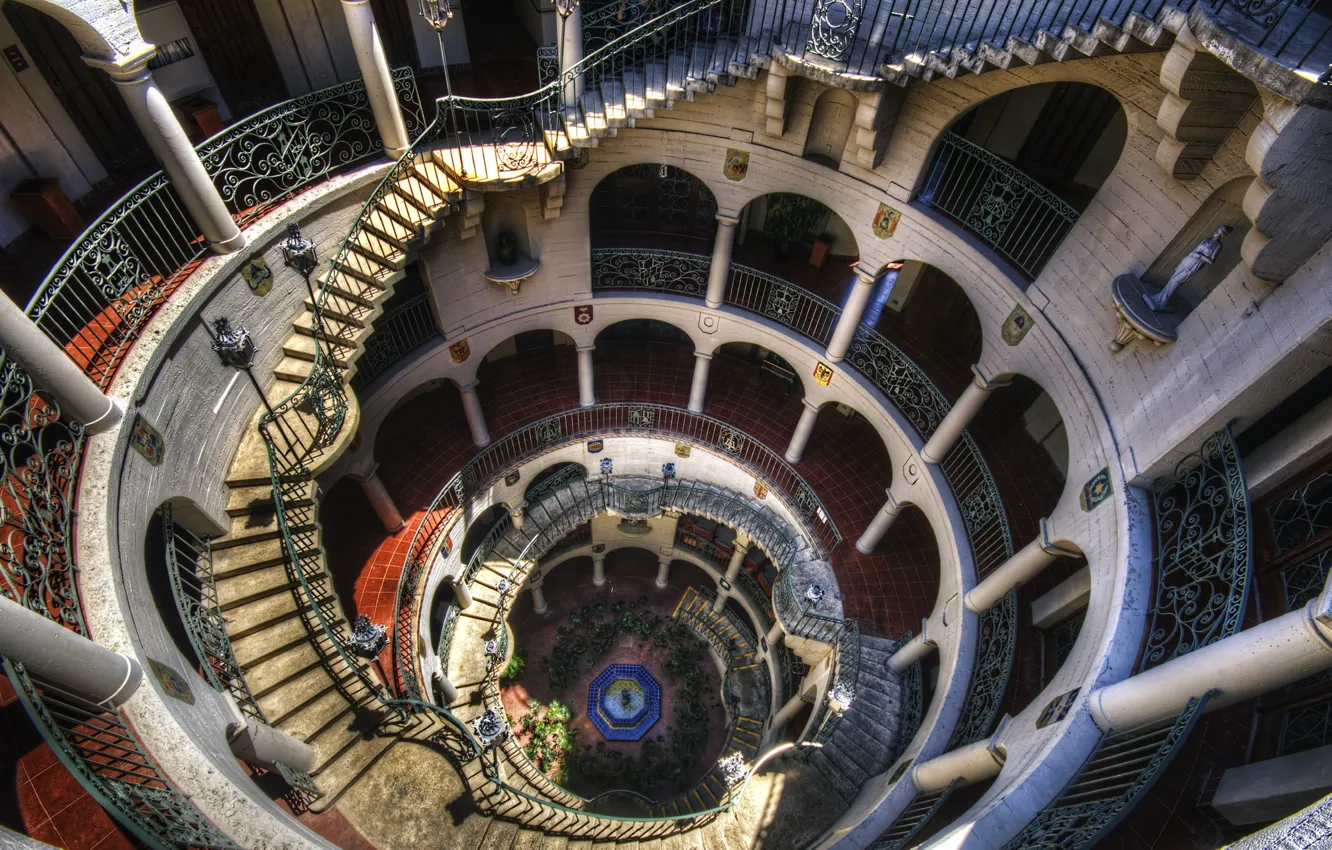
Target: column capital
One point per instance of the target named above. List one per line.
(126, 70)
(518, 508)
(588, 346)
(811, 406)
(1049, 546)
(986, 382)
(470, 386)
(865, 277)
(727, 220)
(701, 355)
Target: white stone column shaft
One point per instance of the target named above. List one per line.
(258, 744)
(571, 53)
(463, 594)
(916, 649)
(959, 417)
(698, 388)
(382, 501)
(1252, 662)
(663, 571)
(447, 689)
(539, 605)
(476, 420)
(775, 634)
(374, 67)
(164, 135)
(599, 568)
(804, 428)
(788, 711)
(52, 370)
(719, 270)
(56, 656)
(879, 526)
(518, 514)
(847, 323)
(1029, 562)
(972, 763)
(587, 391)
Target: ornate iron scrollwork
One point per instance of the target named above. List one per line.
(832, 33)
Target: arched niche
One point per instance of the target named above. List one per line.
(930, 317)
(541, 340)
(478, 528)
(1223, 208)
(830, 126)
(795, 238)
(673, 206)
(508, 247)
(1018, 169)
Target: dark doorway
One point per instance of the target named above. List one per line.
(87, 94)
(394, 23)
(232, 41)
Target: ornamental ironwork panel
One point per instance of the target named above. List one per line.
(1203, 552)
(832, 33)
(899, 378)
(913, 698)
(997, 647)
(1119, 772)
(1302, 514)
(548, 63)
(1306, 728)
(664, 271)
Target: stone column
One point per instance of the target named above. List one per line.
(775, 634)
(587, 391)
(517, 515)
(847, 323)
(719, 270)
(698, 389)
(973, 763)
(916, 649)
(378, 81)
(164, 135)
(52, 370)
(260, 745)
(1029, 561)
(539, 605)
(951, 428)
(879, 525)
(380, 499)
(598, 568)
(663, 571)
(463, 594)
(1252, 662)
(571, 53)
(732, 571)
(447, 689)
(804, 428)
(476, 420)
(63, 659)
(788, 711)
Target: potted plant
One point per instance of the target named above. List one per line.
(790, 217)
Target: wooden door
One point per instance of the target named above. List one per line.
(231, 38)
(88, 95)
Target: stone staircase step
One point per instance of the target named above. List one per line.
(302, 347)
(635, 93)
(263, 614)
(843, 787)
(389, 228)
(335, 778)
(337, 332)
(385, 251)
(345, 310)
(613, 103)
(439, 181)
(402, 210)
(281, 667)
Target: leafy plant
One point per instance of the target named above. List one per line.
(550, 738)
(791, 216)
(513, 669)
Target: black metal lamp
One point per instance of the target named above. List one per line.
(840, 697)
(565, 8)
(437, 13)
(300, 254)
(813, 596)
(234, 348)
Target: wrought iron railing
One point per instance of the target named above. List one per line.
(396, 334)
(912, 683)
(548, 63)
(845, 678)
(111, 281)
(788, 304)
(1114, 778)
(913, 819)
(1297, 33)
(1023, 221)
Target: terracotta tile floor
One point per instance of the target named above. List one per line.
(39, 797)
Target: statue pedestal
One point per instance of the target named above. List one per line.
(1136, 319)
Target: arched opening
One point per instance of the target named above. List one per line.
(1018, 169)
(757, 390)
(180, 573)
(479, 528)
(797, 239)
(830, 126)
(643, 360)
(546, 477)
(1021, 434)
(439, 609)
(504, 225)
(653, 205)
(928, 315)
(1221, 216)
(526, 377)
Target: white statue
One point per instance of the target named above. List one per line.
(1206, 252)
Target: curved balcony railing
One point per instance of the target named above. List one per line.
(997, 202)
(396, 334)
(115, 276)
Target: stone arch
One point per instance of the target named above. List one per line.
(765, 361)
(830, 127)
(1022, 426)
(666, 201)
(797, 238)
(175, 555)
(558, 469)
(113, 39)
(1017, 168)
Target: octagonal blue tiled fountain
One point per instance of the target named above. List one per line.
(624, 702)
